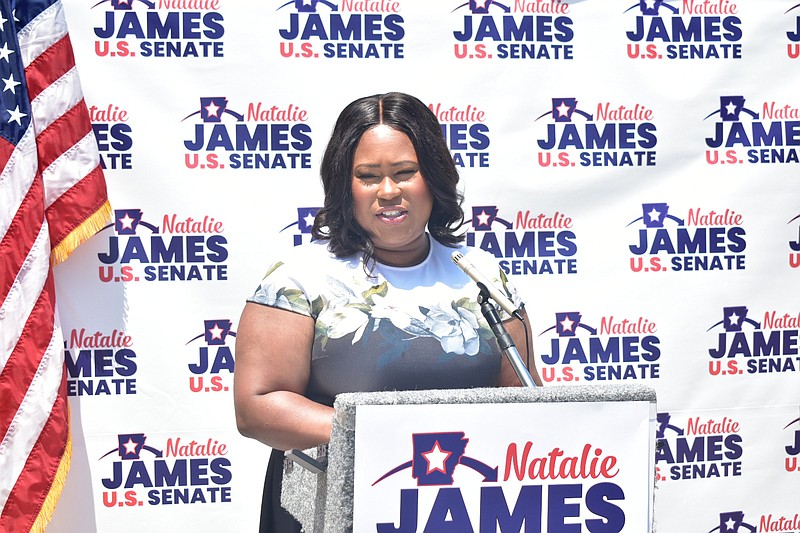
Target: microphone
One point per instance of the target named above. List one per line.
(496, 295)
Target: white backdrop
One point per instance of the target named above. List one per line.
(633, 166)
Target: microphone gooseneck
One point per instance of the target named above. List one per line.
(504, 340)
(494, 293)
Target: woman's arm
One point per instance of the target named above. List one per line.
(273, 365)
(517, 329)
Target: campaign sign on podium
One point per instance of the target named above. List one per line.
(556, 459)
(510, 467)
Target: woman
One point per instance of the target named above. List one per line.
(375, 302)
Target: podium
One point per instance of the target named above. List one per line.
(546, 460)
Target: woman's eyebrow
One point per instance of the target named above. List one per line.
(395, 164)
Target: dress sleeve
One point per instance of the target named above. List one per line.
(281, 289)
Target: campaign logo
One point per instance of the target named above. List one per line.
(303, 225)
(436, 502)
(184, 472)
(435, 458)
(697, 30)
(534, 243)
(518, 29)
(619, 349)
(350, 29)
(182, 249)
(702, 448)
(466, 132)
(113, 135)
(213, 362)
(743, 135)
(746, 345)
(793, 36)
(265, 136)
(733, 522)
(794, 246)
(100, 363)
(702, 240)
(793, 449)
(615, 135)
(160, 28)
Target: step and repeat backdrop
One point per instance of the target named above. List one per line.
(633, 166)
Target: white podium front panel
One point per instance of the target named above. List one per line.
(563, 467)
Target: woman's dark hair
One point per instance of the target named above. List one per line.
(402, 112)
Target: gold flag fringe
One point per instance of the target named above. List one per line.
(49, 505)
(94, 223)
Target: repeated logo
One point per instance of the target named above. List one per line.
(466, 132)
(535, 243)
(619, 349)
(186, 471)
(793, 35)
(615, 135)
(350, 29)
(182, 249)
(792, 464)
(100, 363)
(697, 30)
(733, 522)
(748, 346)
(213, 362)
(264, 137)
(737, 522)
(745, 135)
(794, 246)
(435, 458)
(584, 477)
(302, 226)
(160, 28)
(113, 135)
(706, 239)
(524, 30)
(700, 449)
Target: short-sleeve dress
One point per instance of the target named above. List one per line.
(392, 328)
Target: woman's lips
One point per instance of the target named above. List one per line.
(392, 215)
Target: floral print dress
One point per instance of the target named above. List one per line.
(409, 328)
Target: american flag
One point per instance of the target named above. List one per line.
(52, 198)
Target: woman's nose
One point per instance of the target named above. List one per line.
(388, 188)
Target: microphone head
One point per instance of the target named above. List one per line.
(456, 256)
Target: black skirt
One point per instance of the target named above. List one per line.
(274, 518)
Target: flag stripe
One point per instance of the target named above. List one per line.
(35, 408)
(60, 479)
(23, 227)
(22, 366)
(61, 135)
(62, 173)
(72, 206)
(49, 66)
(45, 455)
(23, 294)
(6, 149)
(57, 99)
(16, 178)
(15, 248)
(43, 23)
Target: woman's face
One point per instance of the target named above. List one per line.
(392, 200)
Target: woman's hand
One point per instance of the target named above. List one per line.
(524, 343)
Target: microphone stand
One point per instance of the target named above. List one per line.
(504, 340)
